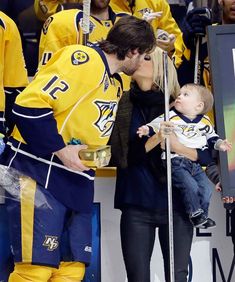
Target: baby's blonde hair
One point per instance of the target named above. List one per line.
(205, 95)
(158, 75)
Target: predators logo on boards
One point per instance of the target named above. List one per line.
(79, 57)
(46, 25)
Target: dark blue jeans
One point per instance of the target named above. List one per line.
(138, 231)
(193, 184)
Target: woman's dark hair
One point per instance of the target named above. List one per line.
(128, 34)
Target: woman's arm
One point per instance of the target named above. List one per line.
(175, 145)
(182, 150)
(153, 141)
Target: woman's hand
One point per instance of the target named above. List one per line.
(166, 129)
(180, 149)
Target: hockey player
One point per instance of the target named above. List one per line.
(64, 28)
(165, 22)
(59, 193)
(13, 74)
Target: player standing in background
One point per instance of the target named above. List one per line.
(58, 196)
(13, 74)
(63, 28)
(165, 22)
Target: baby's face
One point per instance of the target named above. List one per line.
(188, 101)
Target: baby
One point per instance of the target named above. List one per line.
(194, 130)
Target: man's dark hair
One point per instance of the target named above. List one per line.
(128, 34)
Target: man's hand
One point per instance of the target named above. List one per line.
(194, 24)
(70, 158)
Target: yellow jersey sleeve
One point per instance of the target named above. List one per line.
(45, 8)
(13, 74)
(59, 31)
(121, 6)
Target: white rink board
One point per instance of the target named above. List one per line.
(204, 248)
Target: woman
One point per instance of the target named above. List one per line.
(141, 192)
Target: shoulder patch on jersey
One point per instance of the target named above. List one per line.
(2, 24)
(46, 25)
(79, 57)
(107, 113)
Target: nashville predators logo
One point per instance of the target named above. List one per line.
(189, 131)
(46, 25)
(107, 113)
(79, 57)
(51, 243)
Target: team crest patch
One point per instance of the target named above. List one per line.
(51, 242)
(107, 113)
(46, 25)
(79, 57)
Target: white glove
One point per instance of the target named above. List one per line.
(149, 16)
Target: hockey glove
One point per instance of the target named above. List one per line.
(194, 25)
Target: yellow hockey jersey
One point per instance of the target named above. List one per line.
(166, 22)
(63, 92)
(60, 104)
(122, 6)
(13, 74)
(63, 29)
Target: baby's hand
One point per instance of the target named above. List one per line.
(225, 145)
(143, 131)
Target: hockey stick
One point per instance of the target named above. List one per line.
(86, 21)
(169, 182)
